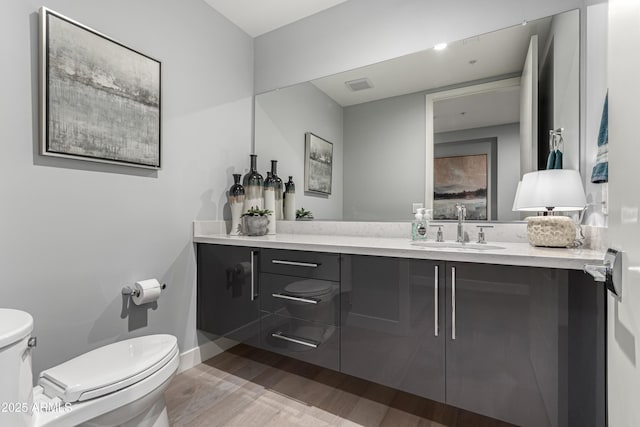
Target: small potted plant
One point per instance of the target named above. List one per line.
(255, 221)
(303, 215)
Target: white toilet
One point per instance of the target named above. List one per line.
(120, 384)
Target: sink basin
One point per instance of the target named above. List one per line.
(459, 246)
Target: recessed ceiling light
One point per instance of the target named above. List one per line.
(440, 46)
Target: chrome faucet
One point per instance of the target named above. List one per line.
(462, 214)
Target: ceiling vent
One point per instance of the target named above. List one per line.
(359, 84)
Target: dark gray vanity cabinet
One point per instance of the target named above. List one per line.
(300, 305)
(524, 345)
(227, 286)
(393, 330)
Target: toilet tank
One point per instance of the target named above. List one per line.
(16, 384)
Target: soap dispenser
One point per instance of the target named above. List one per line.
(419, 226)
(427, 215)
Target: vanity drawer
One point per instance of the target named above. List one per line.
(313, 265)
(311, 342)
(314, 300)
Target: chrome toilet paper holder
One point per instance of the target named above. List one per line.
(609, 272)
(128, 290)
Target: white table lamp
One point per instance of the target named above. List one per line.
(551, 191)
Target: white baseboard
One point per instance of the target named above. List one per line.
(197, 355)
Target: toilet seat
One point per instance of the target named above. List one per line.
(309, 287)
(108, 369)
(107, 410)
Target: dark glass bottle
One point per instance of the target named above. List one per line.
(236, 189)
(270, 202)
(236, 203)
(278, 185)
(290, 200)
(253, 184)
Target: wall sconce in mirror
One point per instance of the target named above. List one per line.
(551, 191)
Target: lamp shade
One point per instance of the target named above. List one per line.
(516, 199)
(554, 189)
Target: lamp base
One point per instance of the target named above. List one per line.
(551, 231)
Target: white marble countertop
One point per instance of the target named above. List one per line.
(513, 253)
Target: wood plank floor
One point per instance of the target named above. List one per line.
(245, 386)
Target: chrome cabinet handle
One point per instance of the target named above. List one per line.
(279, 335)
(435, 303)
(295, 263)
(453, 303)
(253, 284)
(299, 299)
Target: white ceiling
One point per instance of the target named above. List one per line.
(256, 17)
(498, 53)
(471, 112)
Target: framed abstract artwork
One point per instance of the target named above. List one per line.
(460, 179)
(99, 100)
(318, 164)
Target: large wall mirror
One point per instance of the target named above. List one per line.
(461, 122)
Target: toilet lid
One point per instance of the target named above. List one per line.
(14, 326)
(309, 287)
(109, 368)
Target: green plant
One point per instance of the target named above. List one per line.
(302, 213)
(255, 211)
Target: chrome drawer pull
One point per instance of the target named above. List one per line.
(295, 263)
(284, 337)
(292, 298)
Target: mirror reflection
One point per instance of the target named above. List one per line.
(434, 128)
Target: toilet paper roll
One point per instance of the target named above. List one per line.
(147, 291)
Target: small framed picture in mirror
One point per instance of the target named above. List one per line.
(460, 180)
(318, 164)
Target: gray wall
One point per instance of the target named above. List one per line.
(281, 119)
(72, 233)
(384, 156)
(596, 77)
(508, 137)
(361, 32)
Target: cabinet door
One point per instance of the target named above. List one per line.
(393, 323)
(506, 340)
(227, 292)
